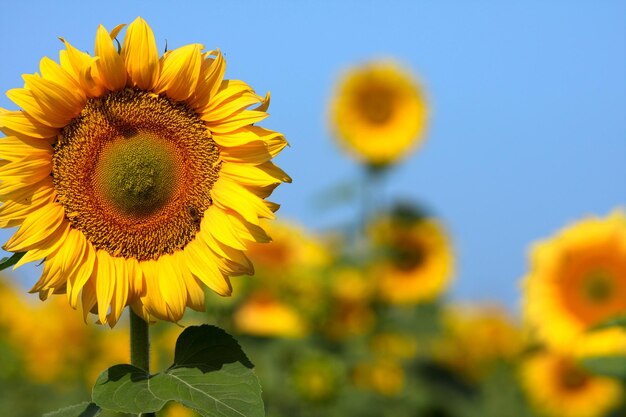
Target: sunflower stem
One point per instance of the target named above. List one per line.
(140, 346)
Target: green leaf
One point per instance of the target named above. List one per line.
(9, 261)
(79, 410)
(210, 374)
(611, 366)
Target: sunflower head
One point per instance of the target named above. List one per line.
(264, 315)
(139, 178)
(416, 262)
(378, 113)
(558, 387)
(475, 339)
(577, 279)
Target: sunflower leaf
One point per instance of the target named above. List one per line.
(9, 261)
(78, 410)
(211, 374)
(611, 366)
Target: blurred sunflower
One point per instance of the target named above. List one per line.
(558, 387)
(417, 265)
(36, 334)
(264, 315)
(137, 178)
(384, 376)
(474, 339)
(379, 113)
(577, 279)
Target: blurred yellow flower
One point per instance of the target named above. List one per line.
(475, 338)
(144, 177)
(348, 320)
(292, 249)
(394, 345)
(50, 343)
(418, 262)
(350, 284)
(379, 113)
(382, 375)
(317, 379)
(177, 410)
(264, 315)
(558, 387)
(577, 279)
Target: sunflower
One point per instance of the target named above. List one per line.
(577, 279)
(476, 338)
(379, 113)
(558, 387)
(139, 179)
(417, 265)
(264, 315)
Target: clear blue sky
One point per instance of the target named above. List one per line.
(528, 126)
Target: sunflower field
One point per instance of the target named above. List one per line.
(141, 185)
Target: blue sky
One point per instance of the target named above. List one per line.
(528, 104)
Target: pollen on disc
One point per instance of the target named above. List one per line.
(138, 174)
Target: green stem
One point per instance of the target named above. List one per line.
(140, 346)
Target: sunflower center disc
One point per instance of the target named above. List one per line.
(376, 104)
(138, 175)
(598, 287)
(134, 172)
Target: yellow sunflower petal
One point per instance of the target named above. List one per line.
(228, 194)
(88, 297)
(83, 274)
(52, 95)
(81, 66)
(52, 71)
(255, 175)
(104, 276)
(180, 72)
(37, 227)
(140, 55)
(116, 30)
(235, 121)
(195, 292)
(210, 79)
(59, 265)
(216, 222)
(172, 287)
(14, 149)
(152, 300)
(247, 135)
(247, 230)
(120, 295)
(229, 260)
(135, 279)
(110, 64)
(20, 123)
(37, 109)
(30, 167)
(203, 268)
(18, 209)
(47, 247)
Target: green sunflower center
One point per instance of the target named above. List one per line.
(598, 286)
(134, 172)
(137, 174)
